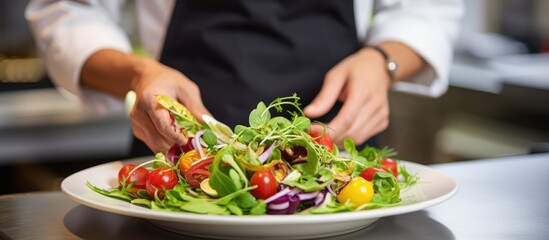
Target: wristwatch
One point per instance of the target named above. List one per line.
(390, 64)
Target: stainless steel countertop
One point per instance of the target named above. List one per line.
(500, 198)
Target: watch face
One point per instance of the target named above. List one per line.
(392, 66)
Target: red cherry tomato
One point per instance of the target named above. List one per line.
(369, 173)
(139, 175)
(322, 139)
(198, 172)
(266, 184)
(159, 180)
(390, 165)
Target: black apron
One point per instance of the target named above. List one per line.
(240, 52)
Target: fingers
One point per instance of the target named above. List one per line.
(365, 110)
(349, 112)
(373, 118)
(152, 124)
(150, 121)
(331, 89)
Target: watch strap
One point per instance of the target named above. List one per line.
(390, 64)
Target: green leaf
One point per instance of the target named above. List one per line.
(349, 146)
(246, 200)
(259, 116)
(252, 158)
(236, 179)
(114, 193)
(329, 205)
(387, 186)
(235, 209)
(204, 207)
(239, 128)
(228, 158)
(259, 209)
(142, 202)
(209, 138)
(302, 123)
(311, 166)
(279, 123)
(220, 180)
(248, 135)
(309, 183)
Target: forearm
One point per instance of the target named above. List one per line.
(112, 71)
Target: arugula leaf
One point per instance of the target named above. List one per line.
(377, 202)
(114, 193)
(387, 186)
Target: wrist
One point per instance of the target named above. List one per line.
(390, 65)
(140, 68)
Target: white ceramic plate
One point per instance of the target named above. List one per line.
(433, 188)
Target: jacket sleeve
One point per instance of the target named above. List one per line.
(67, 33)
(430, 28)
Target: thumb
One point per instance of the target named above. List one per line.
(329, 93)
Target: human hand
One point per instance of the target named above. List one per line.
(150, 122)
(362, 83)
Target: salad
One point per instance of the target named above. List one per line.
(275, 165)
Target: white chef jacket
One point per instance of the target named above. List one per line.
(67, 33)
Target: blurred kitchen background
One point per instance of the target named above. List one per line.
(497, 104)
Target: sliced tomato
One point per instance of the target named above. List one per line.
(198, 172)
(186, 160)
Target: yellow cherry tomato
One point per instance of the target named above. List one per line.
(186, 160)
(359, 191)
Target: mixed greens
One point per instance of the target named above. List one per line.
(275, 165)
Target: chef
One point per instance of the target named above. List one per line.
(221, 57)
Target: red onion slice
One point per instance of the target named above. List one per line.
(266, 154)
(197, 144)
(308, 196)
(281, 193)
(319, 198)
(173, 154)
(330, 190)
(279, 206)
